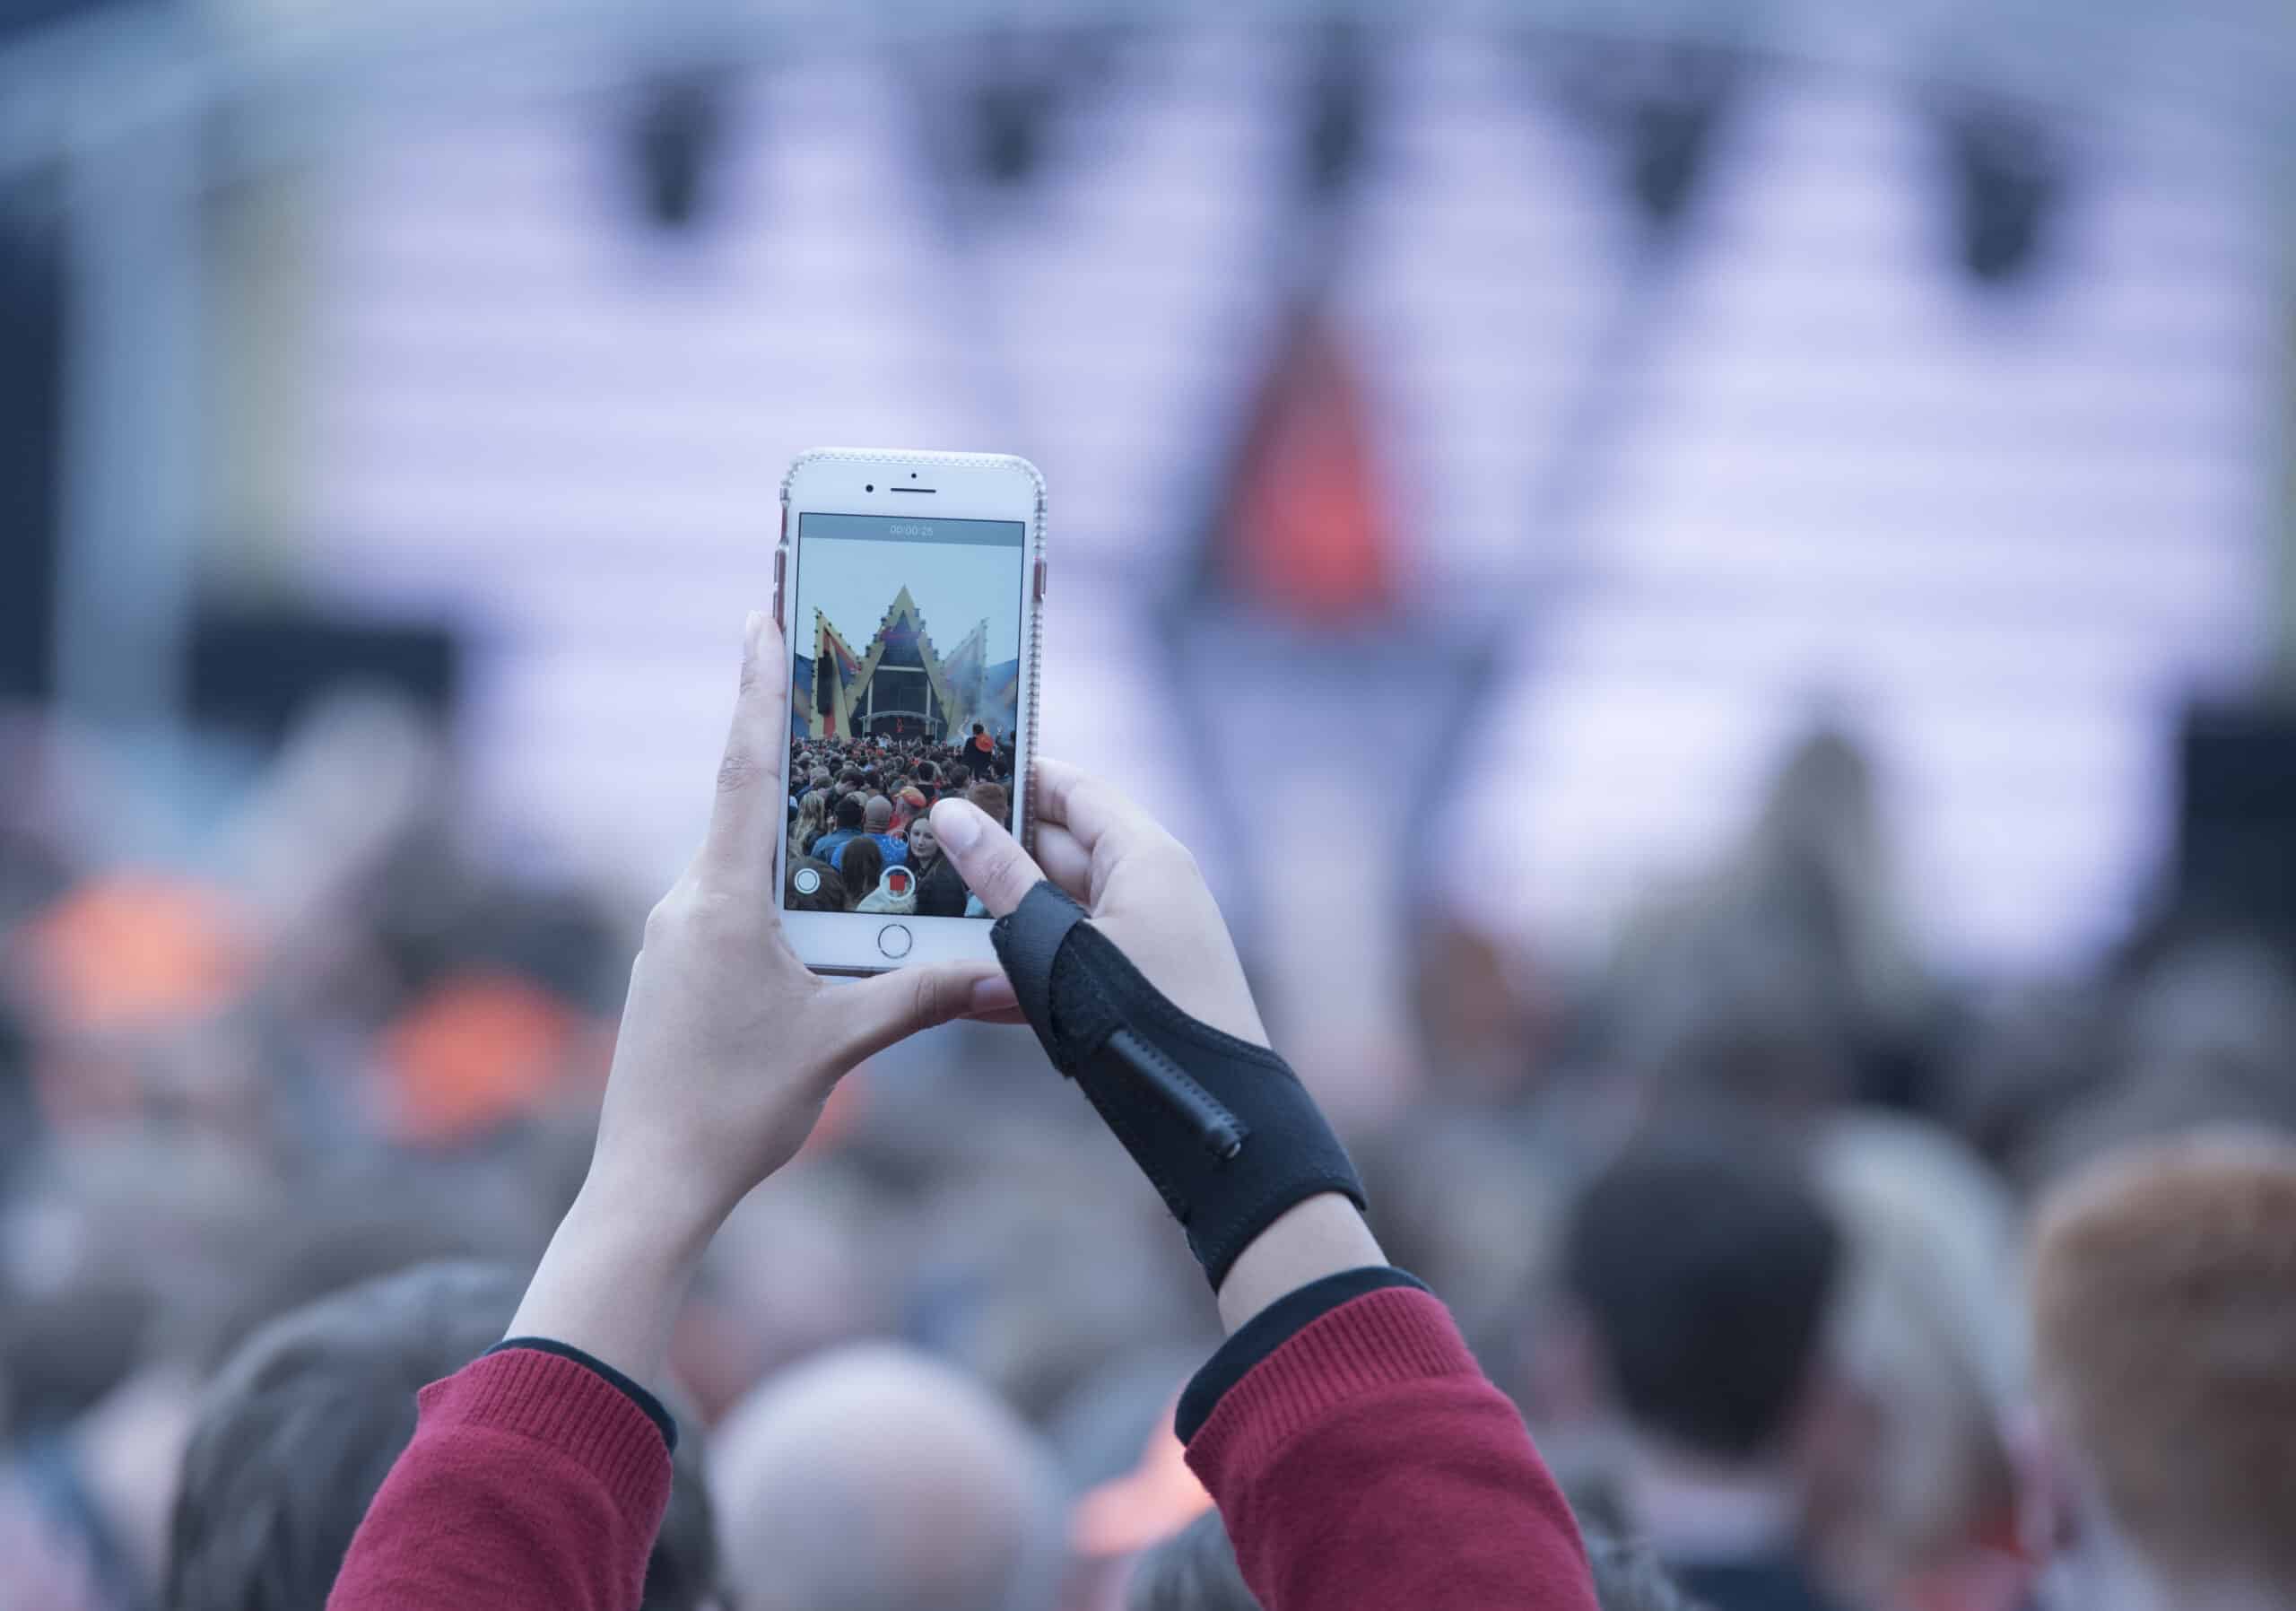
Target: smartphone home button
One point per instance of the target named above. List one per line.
(893, 940)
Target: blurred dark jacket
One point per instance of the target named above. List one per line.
(1777, 1585)
(941, 890)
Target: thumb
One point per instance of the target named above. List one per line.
(877, 1012)
(994, 866)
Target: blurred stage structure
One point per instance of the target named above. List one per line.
(1482, 438)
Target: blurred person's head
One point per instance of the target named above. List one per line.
(812, 814)
(1705, 1272)
(299, 1429)
(878, 815)
(828, 893)
(862, 864)
(2164, 1366)
(877, 1479)
(849, 811)
(993, 799)
(1193, 1570)
(924, 845)
(822, 780)
(1923, 1344)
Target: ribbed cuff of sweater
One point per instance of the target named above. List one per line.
(1269, 1330)
(1394, 1335)
(656, 1411)
(566, 1407)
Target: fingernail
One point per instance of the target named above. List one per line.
(958, 824)
(751, 628)
(992, 994)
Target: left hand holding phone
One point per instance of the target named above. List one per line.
(728, 1050)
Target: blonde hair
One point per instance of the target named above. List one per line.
(2164, 1322)
(812, 817)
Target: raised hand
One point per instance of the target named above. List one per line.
(728, 1050)
(1145, 895)
(1141, 885)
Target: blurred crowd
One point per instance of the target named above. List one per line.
(1740, 1220)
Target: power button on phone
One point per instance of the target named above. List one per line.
(893, 940)
(781, 570)
(1039, 586)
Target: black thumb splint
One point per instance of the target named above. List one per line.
(1222, 1128)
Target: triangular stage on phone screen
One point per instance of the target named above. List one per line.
(900, 686)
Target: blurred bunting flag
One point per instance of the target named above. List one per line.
(836, 671)
(1307, 535)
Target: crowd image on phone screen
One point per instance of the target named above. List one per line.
(885, 719)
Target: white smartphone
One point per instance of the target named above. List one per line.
(910, 589)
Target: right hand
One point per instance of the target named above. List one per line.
(1140, 886)
(1143, 891)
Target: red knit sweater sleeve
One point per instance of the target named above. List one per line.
(532, 1483)
(1369, 1463)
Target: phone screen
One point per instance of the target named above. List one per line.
(904, 690)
